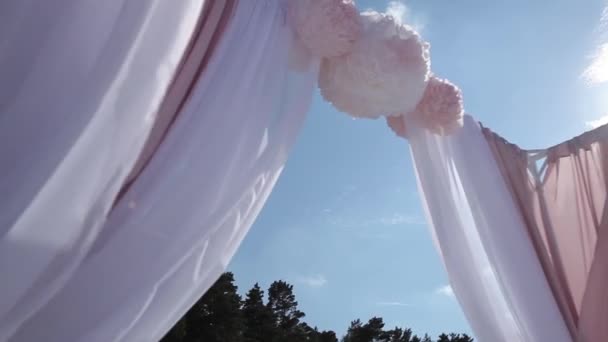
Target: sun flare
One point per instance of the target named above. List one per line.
(597, 71)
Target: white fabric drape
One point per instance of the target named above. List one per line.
(81, 82)
(172, 234)
(490, 261)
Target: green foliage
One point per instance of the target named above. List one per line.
(454, 338)
(222, 316)
(284, 307)
(258, 318)
(217, 316)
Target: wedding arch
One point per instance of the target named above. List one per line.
(140, 139)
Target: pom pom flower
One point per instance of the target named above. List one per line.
(328, 28)
(397, 124)
(386, 73)
(440, 109)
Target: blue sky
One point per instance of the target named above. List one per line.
(344, 223)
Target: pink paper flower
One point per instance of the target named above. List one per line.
(386, 73)
(329, 28)
(440, 109)
(397, 124)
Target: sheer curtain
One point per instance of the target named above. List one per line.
(174, 231)
(490, 260)
(81, 82)
(211, 26)
(566, 215)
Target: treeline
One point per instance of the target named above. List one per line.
(221, 315)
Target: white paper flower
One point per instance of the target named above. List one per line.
(385, 74)
(328, 28)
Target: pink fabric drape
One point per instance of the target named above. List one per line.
(212, 22)
(565, 212)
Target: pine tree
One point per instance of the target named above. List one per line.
(284, 307)
(401, 335)
(454, 338)
(466, 338)
(426, 338)
(353, 332)
(220, 315)
(216, 317)
(258, 318)
(372, 331)
(443, 338)
(327, 336)
(178, 333)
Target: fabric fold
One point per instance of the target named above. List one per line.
(176, 227)
(211, 26)
(482, 239)
(84, 81)
(565, 212)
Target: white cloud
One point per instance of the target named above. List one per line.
(317, 280)
(392, 304)
(445, 290)
(597, 71)
(598, 122)
(398, 219)
(374, 235)
(397, 10)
